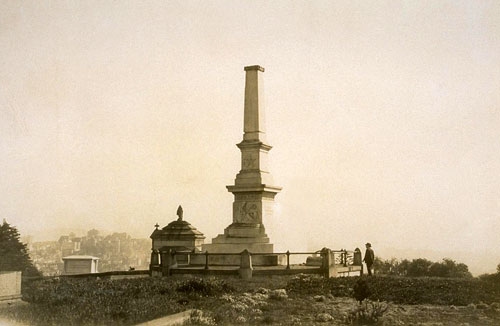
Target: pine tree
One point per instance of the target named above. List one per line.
(13, 253)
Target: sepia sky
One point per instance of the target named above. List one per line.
(384, 118)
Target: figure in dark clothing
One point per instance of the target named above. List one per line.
(369, 258)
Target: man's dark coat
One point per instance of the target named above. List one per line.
(369, 256)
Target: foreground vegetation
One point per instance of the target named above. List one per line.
(301, 300)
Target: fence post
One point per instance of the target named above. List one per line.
(288, 259)
(328, 264)
(154, 266)
(357, 257)
(357, 260)
(246, 268)
(206, 259)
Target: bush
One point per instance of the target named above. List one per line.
(367, 313)
(324, 317)
(361, 290)
(278, 294)
(198, 317)
(205, 287)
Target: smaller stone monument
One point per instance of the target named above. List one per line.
(10, 287)
(179, 236)
(80, 264)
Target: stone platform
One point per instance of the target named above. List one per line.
(238, 237)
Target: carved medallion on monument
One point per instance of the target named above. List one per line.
(248, 213)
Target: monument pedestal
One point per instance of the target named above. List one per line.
(240, 236)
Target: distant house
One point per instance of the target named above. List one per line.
(80, 264)
(69, 245)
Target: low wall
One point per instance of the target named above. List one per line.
(10, 285)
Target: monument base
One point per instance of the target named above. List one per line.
(238, 237)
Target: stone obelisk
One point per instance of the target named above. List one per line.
(253, 187)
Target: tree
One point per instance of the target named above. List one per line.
(382, 266)
(13, 253)
(422, 267)
(419, 267)
(387, 267)
(498, 268)
(449, 268)
(402, 267)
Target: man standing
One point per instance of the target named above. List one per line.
(369, 258)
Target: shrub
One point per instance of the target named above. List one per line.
(268, 319)
(361, 290)
(319, 298)
(307, 284)
(205, 287)
(367, 313)
(279, 294)
(324, 317)
(197, 317)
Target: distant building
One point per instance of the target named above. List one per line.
(69, 245)
(80, 264)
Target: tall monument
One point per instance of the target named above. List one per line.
(253, 187)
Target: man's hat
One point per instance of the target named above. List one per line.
(368, 244)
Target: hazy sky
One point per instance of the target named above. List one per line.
(384, 117)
